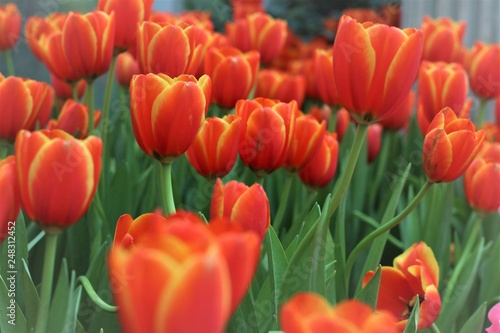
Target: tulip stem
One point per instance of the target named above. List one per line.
(90, 103)
(283, 202)
(94, 296)
(168, 193)
(47, 277)
(343, 185)
(9, 62)
(74, 90)
(384, 228)
(482, 113)
(332, 122)
(434, 328)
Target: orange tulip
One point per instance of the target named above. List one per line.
(201, 19)
(90, 54)
(281, 86)
(415, 274)
(372, 79)
(233, 73)
(322, 113)
(126, 68)
(401, 118)
(479, 178)
(441, 85)
(243, 205)
(43, 101)
(268, 127)
(305, 68)
(374, 141)
(443, 39)
(483, 65)
(215, 148)
(10, 26)
(9, 192)
(128, 13)
(259, 32)
(450, 145)
(343, 122)
(244, 8)
(58, 176)
(167, 113)
(305, 142)
(325, 79)
(309, 312)
(321, 168)
(38, 30)
(64, 90)
(74, 119)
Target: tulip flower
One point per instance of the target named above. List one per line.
(58, 176)
(90, 54)
(243, 205)
(305, 68)
(259, 32)
(443, 39)
(74, 119)
(483, 66)
(38, 30)
(215, 148)
(343, 121)
(281, 86)
(43, 101)
(372, 79)
(401, 118)
(325, 79)
(233, 74)
(268, 127)
(321, 168)
(64, 90)
(309, 312)
(362, 15)
(167, 113)
(374, 141)
(323, 113)
(494, 318)
(450, 145)
(128, 14)
(244, 8)
(415, 273)
(126, 68)
(10, 26)
(479, 177)
(9, 192)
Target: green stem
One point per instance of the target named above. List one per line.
(168, 193)
(94, 296)
(90, 103)
(35, 240)
(9, 62)
(74, 90)
(260, 180)
(340, 190)
(482, 113)
(332, 123)
(384, 228)
(434, 328)
(47, 277)
(4, 149)
(284, 200)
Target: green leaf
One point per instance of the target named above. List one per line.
(488, 286)
(476, 321)
(369, 294)
(59, 303)
(12, 321)
(412, 324)
(31, 297)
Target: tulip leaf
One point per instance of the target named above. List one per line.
(31, 297)
(15, 323)
(341, 289)
(490, 268)
(60, 298)
(120, 200)
(412, 323)
(369, 294)
(476, 321)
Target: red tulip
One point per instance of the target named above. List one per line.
(126, 68)
(244, 8)
(38, 30)
(64, 90)
(343, 121)
(58, 176)
(443, 39)
(74, 119)
(450, 145)
(325, 79)
(167, 113)
(10, 26)
(374, 141)
(401, 118)
(483, 65)
(215, 149)
(281, 86)
(323, 113)
(372, 79)
(305, 68)
(43, 101)
(9, 192)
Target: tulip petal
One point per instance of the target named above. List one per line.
(437, 154)
(251, 210)
(168, 51)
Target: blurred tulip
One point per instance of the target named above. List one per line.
(494, 318)
(128, 14)
(374, 141)
(268, 127)
(305, 142)
(167, 113)
(126, 68)
(492, 132)
(305, 68)
(483, 65)
(497, 111)
(244, 8)
(233, 74)
(325, 79)
(38, 30)
(64, 90)
(58, 176)
(450, 145)
(74, 119)
(443, 39)
(391, 14)
(215, 148)
(372, 79)
(415, 273)
(321, 168)
(243, 205)
(90, 54)
(343, 121)
(281, 86)
(10, 26)
(259, 32)
(309, 312)
(362, 15)
(322, 113)
(201, 19)
(9, 192)
(401, 118)
(43, 101)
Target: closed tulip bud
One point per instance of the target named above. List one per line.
(243, 205)
(10, 26)
(126, 68)
(325, 79)
(450, 145)
(167, 113)
(401, 118)
(43, 102)
(64, 90)
(259, 32)
(374, 141)
(374, 80)
(215, 148)
(281, 86)
(343, 121)
(483, 66)
(321, 168)
(233, 74)
(58, 176)
(74, 119)
(443, 39)
(9, 192)
(321, 113)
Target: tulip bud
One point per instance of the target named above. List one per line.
(10, 23)
(9, 192)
